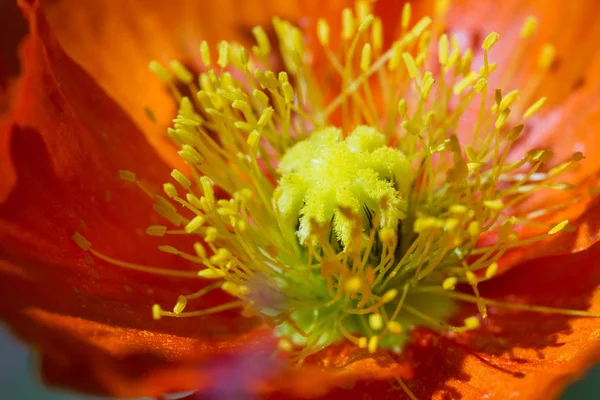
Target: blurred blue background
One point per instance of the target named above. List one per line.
(18, 380)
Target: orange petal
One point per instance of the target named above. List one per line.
(115, 41)
(91, 321)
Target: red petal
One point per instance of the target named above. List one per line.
(14, 29)
(91, 321)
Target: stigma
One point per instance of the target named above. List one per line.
(355, 207)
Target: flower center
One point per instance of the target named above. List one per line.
(363, 231)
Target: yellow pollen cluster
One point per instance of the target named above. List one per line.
(355, 214)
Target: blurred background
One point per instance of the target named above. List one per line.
(18, 380)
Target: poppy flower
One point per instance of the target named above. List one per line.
(358, 203)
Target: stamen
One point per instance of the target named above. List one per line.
(334, 233)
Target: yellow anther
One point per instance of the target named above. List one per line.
(373, 343)
(244, 59)
(443, 49)
(394, 327)
(480, 85)
(427, 84)
(377, 34)
(501, 120)
(216, 113)
(396, 58)
(160, 71)
(491, 270)
(402, 108)
(180, 305)
(169, 249)
(207, 188)
(225, 211)
(193, 200)
(558, 227)
(262, 39)
(283, 77)
(288, 92)
(547, 55)
(211, 234)
(194, 224)
(323, 31)
(127, 175)
(535, 107)
(271, 80)
(406, 15)
(261, 96)
(156, 312)
(465, 82)
(495, 205)
(211, 273)
(181, 72)
(509, 100)
(181, 179)
(365, 59)
(156, 230)
(490, 41)
(450, 224)
(241, 226)
(234, 289)
(81, 241)
(170, 190)
(362, 342)
(529, 27)
(200, 250)
(471, 278)
(449, 283)
(190, 154)
(458, 209)
(389, 296)
(472, 322)
(253, 139)
(411, 67)
(348, 24)
(376, 321)
(223, 60)
(474, 229)
(353, 284)
(265, 116)
(363, 9)
(205, 53)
